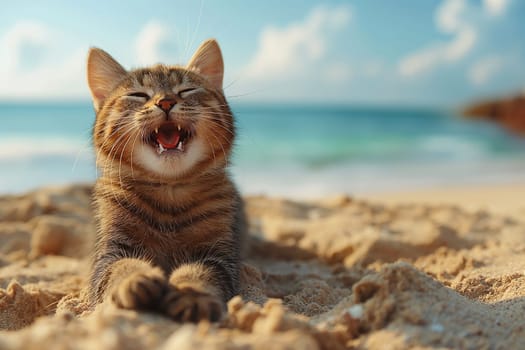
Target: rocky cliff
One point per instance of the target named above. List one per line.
(509, 112)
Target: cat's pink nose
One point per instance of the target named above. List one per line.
(166, 103)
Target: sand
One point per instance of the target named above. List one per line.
(506, 199)
(334, 273)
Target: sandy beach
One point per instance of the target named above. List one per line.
(508, 199)
(444, 269)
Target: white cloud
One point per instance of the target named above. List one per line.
(33, 64)
(449, 20)
(149, 42)
(22, 35)
(483, 70)
(293, 49)
(421, 61)
(337, 72)
(495, 8)
(461, 45)
(30, 68)
(448, 16)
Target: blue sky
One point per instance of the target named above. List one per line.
(404, 52)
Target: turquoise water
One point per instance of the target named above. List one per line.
(287, 150)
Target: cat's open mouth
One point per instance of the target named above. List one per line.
(169, 137)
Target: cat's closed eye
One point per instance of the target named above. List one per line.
(186, 92)
(140, 95)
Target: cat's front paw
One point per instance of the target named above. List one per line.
(190, 305)
(141, 290)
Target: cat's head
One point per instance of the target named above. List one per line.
(162, 121)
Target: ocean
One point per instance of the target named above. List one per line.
(285, 150)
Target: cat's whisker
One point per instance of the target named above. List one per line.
(233, 82)
(107, 140)
(246, 94)
(211, 111)
(217, 124)
(121, 155)
(214, 107)
(133, 149)
(108, 159)
(212, 149)
(199, 112)
(220, 143)
(85, 148)
(194, 35)
(216, 117)
(108, 165)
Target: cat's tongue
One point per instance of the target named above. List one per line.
(168, 136)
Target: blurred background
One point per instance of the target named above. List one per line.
(329, 96)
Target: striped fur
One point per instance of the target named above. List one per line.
(169, 226)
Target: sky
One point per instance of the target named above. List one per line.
(403, 52)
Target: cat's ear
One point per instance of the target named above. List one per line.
(207, 61)
(103, 74)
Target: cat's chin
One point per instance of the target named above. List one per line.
(170, 163)
(179, 149)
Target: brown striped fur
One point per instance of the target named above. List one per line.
(169, 225)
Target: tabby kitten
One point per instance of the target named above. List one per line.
(169, 218)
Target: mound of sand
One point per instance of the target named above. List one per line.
(333, 274)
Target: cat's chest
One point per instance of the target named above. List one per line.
(169, 250)
(170, 221)
(174, 229)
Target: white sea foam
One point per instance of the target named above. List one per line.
(354, 178)
(31, 162)
(27, 148)
(453, 147)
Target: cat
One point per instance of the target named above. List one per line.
(170, 221)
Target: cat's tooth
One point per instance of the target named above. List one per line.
(161, 149)
(179, 146)
(157, 130)
(178, 127)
